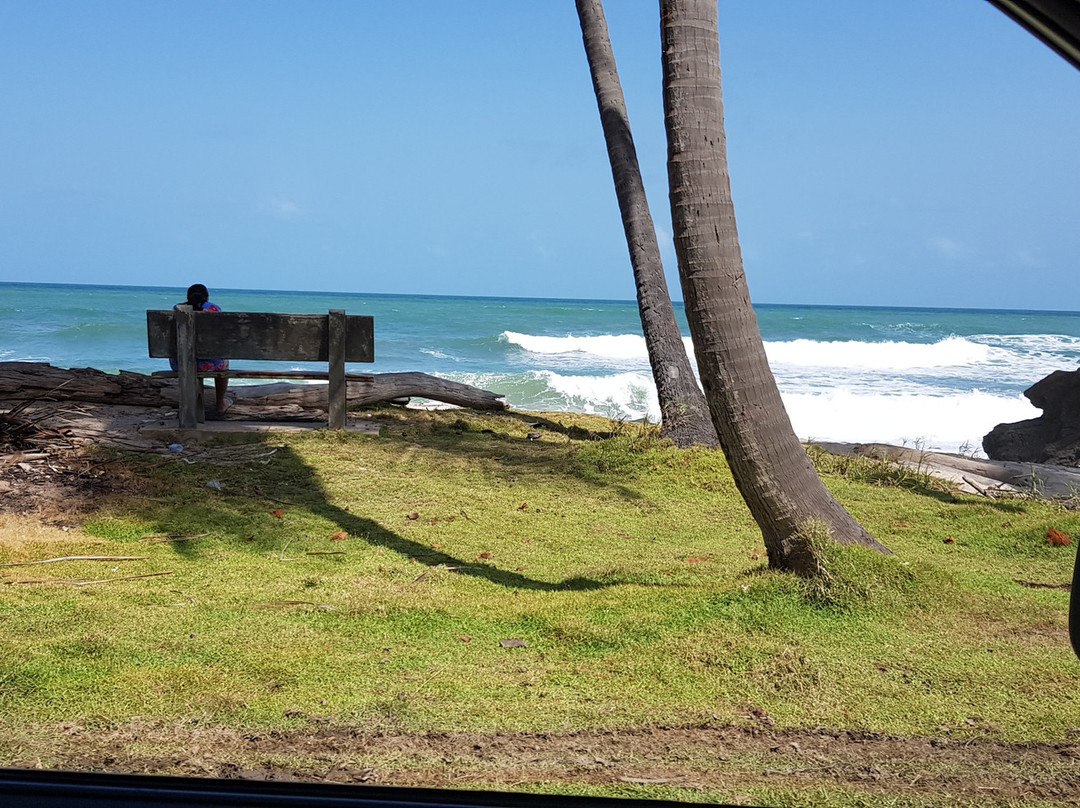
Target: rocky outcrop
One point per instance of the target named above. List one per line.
(1053, 437)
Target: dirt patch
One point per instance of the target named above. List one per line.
(49, 467)
(728, 759)
(58, 484)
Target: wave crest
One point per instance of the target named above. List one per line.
(606, 346)
(948, 352)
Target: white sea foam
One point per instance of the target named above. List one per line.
(623, 395)
(941, 422)
(627, 396)
(1002, 365)
(438, 354)
(1035, 343)
(950, 352)
(945, 422)
(605, 346)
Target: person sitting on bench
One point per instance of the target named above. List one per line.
(198, 297)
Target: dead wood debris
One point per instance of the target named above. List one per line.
(86, 581)
(47, 469)
(1066, 587)
(74, 558)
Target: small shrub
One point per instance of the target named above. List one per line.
(875, 471)
(853, 578)
(632, 448)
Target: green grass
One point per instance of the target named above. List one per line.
(632, 571)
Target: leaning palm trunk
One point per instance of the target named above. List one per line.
(684, 412)
(770, 466)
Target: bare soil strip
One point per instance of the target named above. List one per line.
(728, 759)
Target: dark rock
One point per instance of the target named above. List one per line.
(1053, 437)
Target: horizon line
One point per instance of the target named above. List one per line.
(629, 301)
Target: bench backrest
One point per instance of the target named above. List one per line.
(262, 335)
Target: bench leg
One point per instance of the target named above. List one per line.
(189, 381)
(336, 351)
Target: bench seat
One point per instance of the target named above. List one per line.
(323, 375)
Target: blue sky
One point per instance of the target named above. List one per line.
(914, 152)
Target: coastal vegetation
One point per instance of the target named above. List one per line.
(562, 585)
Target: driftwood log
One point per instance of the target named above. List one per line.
(971, 474)
(20, 381)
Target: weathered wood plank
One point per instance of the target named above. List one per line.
(262, 336)
(317, 375)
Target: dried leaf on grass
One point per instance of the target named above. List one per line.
(1055, 538)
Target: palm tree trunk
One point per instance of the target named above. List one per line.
(769, 464)
(684, 412)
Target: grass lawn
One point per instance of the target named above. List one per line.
(452, 603)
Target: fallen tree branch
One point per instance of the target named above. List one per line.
(986, 492)
(86, 581)
(1036, 585)
(269, 604)
(75, 558)
(1002, 477)
(166, 537)
(123, 578)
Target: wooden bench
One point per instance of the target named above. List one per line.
(334, 338)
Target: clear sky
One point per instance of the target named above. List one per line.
(912, 152)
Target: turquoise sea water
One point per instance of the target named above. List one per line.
(938, 377)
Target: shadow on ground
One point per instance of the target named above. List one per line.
(224, 490)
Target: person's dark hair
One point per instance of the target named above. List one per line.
(197, 296)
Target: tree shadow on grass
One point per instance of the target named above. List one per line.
(514, 453)
(290, 482)
(379, 536)
(929, 490)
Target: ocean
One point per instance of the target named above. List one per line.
(935, 378)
